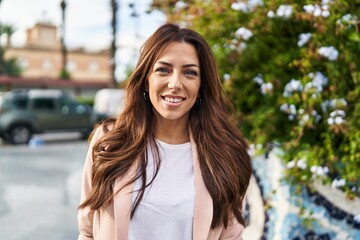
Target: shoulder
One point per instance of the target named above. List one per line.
(101, 130)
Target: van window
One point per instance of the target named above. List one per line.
(47, 104)
(20, 102)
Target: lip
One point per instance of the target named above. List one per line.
(177, 100)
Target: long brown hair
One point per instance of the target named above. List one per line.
(222, 150)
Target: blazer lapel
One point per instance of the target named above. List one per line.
(122, 204)
(203, 202)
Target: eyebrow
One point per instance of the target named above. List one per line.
(185, 65)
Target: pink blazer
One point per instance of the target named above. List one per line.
(112, 222)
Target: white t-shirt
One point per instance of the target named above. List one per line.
(167, 208)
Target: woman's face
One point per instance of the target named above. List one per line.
(174, 82)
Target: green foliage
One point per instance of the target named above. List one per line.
(9, 66)
(64, 74)
(86, 100)
(292, 71)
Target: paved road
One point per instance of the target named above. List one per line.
(40, 187)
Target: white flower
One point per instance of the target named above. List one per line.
(259, 79)
(320, 78)
(252, 4)
(239, 6)
(270, 14)
(325, 7)
(339, 120)
(305, 118)
(226, 76)
(338, 183)
(319, 171)
(284, 11)
(246, 7)
(292, 86)
(346, 17)
(180, 5)
(242, 45)
(301, 163)
(318, 81)
(333, 104)
(329, 52)
(311, 85)
(290, 164)
(317, 10)
(337, 117)
(251, 150)
(309, 8)
(325, 13)
(338, 113)
(243, 33)
(284, 107)
(330, 121)
(303, 39)
(292, 109)
(266, 88)
(338, 102)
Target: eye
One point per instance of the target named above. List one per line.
(162, 70)
(191, 73)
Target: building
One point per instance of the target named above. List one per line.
(41, 62)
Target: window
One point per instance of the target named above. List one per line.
(23, 63)
(93, 67)
(47, 104)
(71, 65)
(20, 102)
(47, 65)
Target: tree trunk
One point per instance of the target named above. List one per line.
(114, 9)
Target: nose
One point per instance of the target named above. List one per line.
(175, 82)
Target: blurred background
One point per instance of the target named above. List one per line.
(291, 69)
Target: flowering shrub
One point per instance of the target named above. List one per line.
(292, 70)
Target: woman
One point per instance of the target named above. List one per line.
(173, 165)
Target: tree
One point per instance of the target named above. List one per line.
(8, 30)
(8, 66)
(64, 73)
(113, 48)
(293, 73)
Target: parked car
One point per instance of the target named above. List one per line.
(26, 112)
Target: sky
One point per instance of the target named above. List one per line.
(87, 24)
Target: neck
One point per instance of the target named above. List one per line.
(172, 132)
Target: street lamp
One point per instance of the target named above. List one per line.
(64, 73)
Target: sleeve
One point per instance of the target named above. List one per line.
(85, 215)
(234, 230)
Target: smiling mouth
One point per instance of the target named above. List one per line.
(173, 99)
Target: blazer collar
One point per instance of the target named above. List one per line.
(203, 212)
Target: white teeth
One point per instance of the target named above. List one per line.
(173, 100)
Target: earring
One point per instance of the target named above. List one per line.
(198, 102)
(146, 96)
